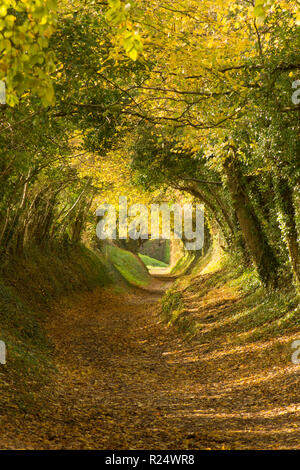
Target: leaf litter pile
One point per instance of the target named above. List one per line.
(126, 380)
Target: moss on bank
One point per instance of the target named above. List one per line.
(129, 266)
(148, 261)
(28, 287)
(220, 298)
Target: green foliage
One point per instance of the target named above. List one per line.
(26, 63)
(182, 116)
(44, 152)
(262, 7)
(118, 16)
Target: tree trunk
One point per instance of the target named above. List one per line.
(290, 235)
(198, 194)
(256, 241)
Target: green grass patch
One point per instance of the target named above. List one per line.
(155, 263)
(183, 263)
(129, 266)
(174, 314)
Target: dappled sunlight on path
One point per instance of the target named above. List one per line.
(125, 380)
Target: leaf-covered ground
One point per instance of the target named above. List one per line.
(125, 380)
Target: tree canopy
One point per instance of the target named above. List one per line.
(148, 99)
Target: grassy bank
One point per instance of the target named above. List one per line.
(235, 347)
(220, 299)
(155, 263)
(28, 288)
(129, 266)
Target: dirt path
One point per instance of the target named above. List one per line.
(126, 381)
